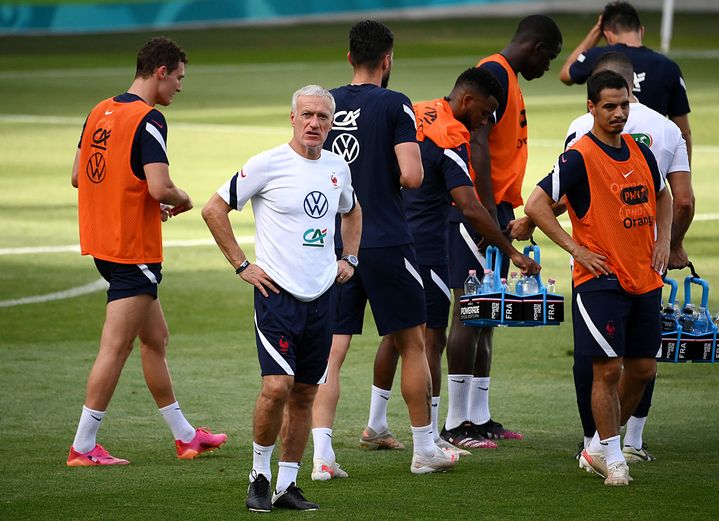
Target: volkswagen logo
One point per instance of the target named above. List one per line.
(347, 146)
(316, 205)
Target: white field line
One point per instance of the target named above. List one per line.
(98, 285)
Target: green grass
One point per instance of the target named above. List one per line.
(235, 104)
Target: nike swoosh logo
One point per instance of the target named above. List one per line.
(628, 174)
(258, 453)
(243, 174)
(435, 405)
(456, 381)
(108, 112)
(95, 418)
(384, 397)
(328, 435)
(483, 388)
(159, 125)
(604, 443)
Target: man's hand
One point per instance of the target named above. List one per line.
(528, 265)
(678, 258)
(521, 229)
(594, 262)
(259, 279)
(660, 256)
(345, 271)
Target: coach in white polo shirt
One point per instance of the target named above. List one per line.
(296, 191)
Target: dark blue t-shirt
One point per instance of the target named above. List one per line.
(368, 122)
(147, 147)
(658, 81)
(427, 207)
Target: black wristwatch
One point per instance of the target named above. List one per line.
(351, 260)
(242, 267)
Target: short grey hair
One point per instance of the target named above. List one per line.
(313, 90)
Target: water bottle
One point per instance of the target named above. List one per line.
(472, 284)
(701, 322)
(503, 284)
(512, 282)
(551, 285)
(519, 290)
(687, 319)
(488, 281)
(668, 319)
(530, 286)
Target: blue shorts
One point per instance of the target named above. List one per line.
(436, 294)
(463, 252)
(128, 280)
(612, 323)
(389, 278)
(293, 337)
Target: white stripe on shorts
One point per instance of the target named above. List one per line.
(272, 351)
(413, 272)
(323, 379)
(148, 273)
(471, 244)
(440, 284)
(593, 329)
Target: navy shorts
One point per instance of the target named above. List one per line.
(293, 337)
(436, 294)
(463, 252)
(128, 280)
(389, 278)
(613, 323)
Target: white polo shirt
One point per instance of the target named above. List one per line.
(647, 126)
(295, 201)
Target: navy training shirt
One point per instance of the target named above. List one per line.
(658, 81)
(427, 207)
(368, 122)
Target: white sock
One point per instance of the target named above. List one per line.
(423, 440)
(322, 439)
(458, 386)
(180, 427)
(378, 409)
(587, 441)
(594, 445)
(286, 475)
(261, 457)
(435, 417)
(612, 449)
(635, 430)
(479, 401)
(86, 435)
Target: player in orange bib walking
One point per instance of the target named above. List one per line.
(124, 193)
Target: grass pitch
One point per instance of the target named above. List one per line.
(235, 104)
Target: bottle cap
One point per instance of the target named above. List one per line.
(472, 272)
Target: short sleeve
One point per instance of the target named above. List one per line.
(153, 138)
(678, 101)
(657, 176)
(500, 74)
(454, 166)
(568, 173)
(680, 157)
(405, 123)
(581, 69)
(244, 184)
(348, 199)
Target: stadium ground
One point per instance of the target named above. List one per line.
(235, 104)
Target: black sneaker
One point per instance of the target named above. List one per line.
(495, 431)
(259, 495)
(462, 436)
(580, 448)
(292, 498)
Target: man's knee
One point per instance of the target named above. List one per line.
(276, 389)
(607, 370)
(642, 369)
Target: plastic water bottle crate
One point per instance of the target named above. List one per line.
(501, 308)
(679, 345)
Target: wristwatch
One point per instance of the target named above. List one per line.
(351, 260)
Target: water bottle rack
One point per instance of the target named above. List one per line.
(501, 308)
(681, 346)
